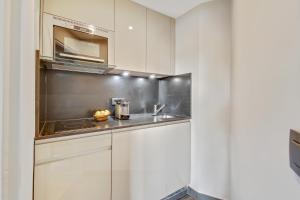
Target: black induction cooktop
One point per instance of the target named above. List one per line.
(74, 125)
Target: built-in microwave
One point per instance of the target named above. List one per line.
(68, 39)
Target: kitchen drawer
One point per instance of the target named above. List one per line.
(59, 150)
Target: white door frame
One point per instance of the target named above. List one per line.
(17, 98)
(27, 99)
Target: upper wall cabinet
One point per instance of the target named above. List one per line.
(130, 36)
(96, 12)
(160, 43)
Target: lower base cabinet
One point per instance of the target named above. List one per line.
(150, 163)
(130, 164)
(75, 169)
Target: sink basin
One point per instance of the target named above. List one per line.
(166, 116)
(163, 117)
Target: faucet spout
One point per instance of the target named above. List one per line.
(156, 110)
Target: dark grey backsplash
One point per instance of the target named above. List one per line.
(43, 91)
(175, 93)
(71, 95)
(75, 95)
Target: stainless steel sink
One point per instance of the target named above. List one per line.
(163, 117)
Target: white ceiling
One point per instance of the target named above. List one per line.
(172, 8)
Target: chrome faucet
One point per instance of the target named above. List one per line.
(156, 110)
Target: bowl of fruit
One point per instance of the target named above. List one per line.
(101, 115)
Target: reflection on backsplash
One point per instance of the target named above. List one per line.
(71, 95)
(175, 92)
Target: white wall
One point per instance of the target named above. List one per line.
(203, 47)
(1, 93)
(266, 98)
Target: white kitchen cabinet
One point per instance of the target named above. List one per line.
(130, 36)
(150, 163)
(73, 169)
(96, 12)
(178, 151)
(160, 43)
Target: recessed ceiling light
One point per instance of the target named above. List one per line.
(140, 79)
(130, 27)
(116, 77)
(125, 73)
(177, 79)
(152, 76)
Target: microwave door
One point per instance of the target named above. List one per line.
(84, 58)
(76, 45)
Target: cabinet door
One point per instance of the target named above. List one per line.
(138, 165)
(178, 149)
(159, 43)
(151, 163)
(74, 169)
(130, 36)
(96, 12)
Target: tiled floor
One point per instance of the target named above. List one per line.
(187, 198)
